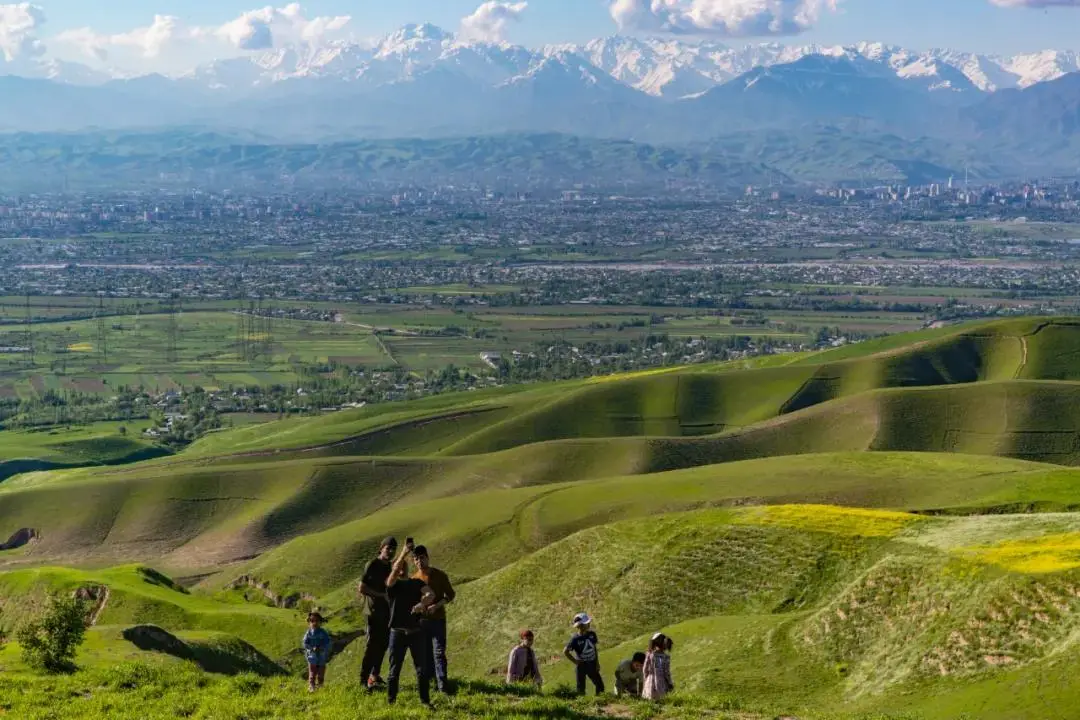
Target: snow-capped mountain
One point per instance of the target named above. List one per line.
(665, 68)
(421, 81)
(672, 68)
(668, 68)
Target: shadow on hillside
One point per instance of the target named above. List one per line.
(228, 656)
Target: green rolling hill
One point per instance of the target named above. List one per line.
(882, 530)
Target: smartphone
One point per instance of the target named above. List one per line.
(409, 543)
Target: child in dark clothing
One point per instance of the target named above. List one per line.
(581, 650)
(317, 651)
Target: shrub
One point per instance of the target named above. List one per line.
(49, 643)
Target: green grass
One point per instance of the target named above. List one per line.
(887, 530)
(101, 442)
(139, 596)
(812, 611)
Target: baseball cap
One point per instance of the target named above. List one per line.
(582, 619)
(389, 542)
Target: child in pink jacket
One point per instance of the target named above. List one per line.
(523, 667)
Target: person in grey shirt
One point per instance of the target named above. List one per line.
(628, 676)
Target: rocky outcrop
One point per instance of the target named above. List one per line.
(288, 602)
(96, 598)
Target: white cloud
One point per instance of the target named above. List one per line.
(490, 20)
(170, 43)
(730, 18)
(272, 27)
(19, 24)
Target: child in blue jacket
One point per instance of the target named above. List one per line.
(317, 651)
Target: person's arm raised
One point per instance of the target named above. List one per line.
(398, 570)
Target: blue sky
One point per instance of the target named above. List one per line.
(974, 25)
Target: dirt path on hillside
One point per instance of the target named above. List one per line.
(102, 604)
(1023, 357)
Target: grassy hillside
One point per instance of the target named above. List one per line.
(677, 403)
(884, 530)
(816, 611)
(104, 443)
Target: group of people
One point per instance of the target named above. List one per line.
(407, 616)
(646, 674)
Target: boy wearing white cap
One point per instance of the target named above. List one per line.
(582, 651)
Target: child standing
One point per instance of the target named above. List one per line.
(317, 651)
(522, 667)
(582, 651)
(657, 670)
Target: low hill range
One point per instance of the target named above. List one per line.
(887, 529)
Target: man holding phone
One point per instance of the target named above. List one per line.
(406, 596)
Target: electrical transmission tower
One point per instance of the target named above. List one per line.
(268, 334)
(29, 331)
(252, 341)
(172, 331)
(241, 332)
(102, 335)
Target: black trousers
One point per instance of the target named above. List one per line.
(414, 643)
(589, 670)
(378, 640)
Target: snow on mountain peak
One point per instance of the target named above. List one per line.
(663, 67)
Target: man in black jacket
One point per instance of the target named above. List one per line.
(373, 589)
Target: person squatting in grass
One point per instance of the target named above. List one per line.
(629, 677)
(407, 603)
(522, 666)
(373, 589)
(582, 651)
(433, 620)
(316, 645)
(657, 669)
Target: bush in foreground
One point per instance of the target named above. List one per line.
(50, 642)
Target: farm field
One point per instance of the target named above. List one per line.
(68, 356)
(887, 530)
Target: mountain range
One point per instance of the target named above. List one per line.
(669, 68)
(877, 106)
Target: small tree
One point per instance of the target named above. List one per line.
(49, 643)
